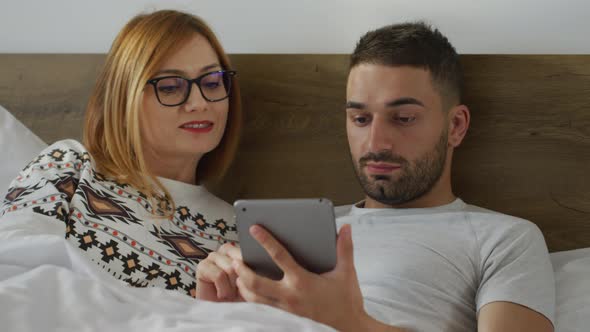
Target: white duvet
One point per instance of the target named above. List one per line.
(46, 285)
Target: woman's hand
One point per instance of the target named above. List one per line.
(216, 277)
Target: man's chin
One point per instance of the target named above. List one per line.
(377, 189)
(381, 178)
(385, 200)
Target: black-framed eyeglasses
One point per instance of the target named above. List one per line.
(175, 90)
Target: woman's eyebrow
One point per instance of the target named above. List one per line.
(183, 73)
(211, 66)
(171, 71)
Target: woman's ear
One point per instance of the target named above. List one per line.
(459, 117)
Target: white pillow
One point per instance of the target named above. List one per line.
(572, 282)
(18, 146)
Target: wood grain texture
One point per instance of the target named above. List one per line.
(527, 152)
(48, 92)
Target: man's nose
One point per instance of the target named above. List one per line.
(380, 136)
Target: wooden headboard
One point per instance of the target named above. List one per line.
(527, 152)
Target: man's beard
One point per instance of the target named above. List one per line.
(415, 179)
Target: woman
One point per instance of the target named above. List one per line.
(163, 119)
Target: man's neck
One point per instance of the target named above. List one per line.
(422, 202)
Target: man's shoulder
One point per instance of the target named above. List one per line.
(342, 210)
(484, 217)
(495, 229)
(481, 219)
(478, 209)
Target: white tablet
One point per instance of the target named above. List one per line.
(306, 227)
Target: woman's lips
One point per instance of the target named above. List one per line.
(197, 126)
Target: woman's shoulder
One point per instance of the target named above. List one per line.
(68, 149)
(197, 199)
(197, 196)
(61, 159)
(51, 177)
(62, 155)
(218, 213)
(218, 203)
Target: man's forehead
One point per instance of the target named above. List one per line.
(368, 71)
(388, 82)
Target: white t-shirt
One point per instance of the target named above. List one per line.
(433, 269)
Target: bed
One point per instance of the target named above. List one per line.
(527, 152)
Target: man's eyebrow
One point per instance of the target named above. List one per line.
(355, 104)
(394, 103)
(404, 101)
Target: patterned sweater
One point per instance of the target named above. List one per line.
(112, 222)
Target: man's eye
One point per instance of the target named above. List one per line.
(405, 119)
(361, 120)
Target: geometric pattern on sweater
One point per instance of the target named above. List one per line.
(113, 224)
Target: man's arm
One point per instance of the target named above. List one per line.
(507, 316)
(517, 287)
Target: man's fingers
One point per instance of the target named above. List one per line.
(259, 285)
(251, 296)
(344, 249)
(275, 250)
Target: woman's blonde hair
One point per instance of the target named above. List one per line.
(112, 131)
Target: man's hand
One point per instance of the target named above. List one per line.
(333, 298)
(216, 278)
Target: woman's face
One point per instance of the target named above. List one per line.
(195, 127)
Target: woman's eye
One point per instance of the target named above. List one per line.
(168, 89)
(212, 85)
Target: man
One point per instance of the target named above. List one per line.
(426, 261)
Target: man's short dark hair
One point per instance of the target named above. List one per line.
(416, 45)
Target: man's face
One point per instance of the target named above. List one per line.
(397, 131)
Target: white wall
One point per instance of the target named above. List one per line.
(304, 26)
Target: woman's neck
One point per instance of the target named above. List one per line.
(174, 167)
